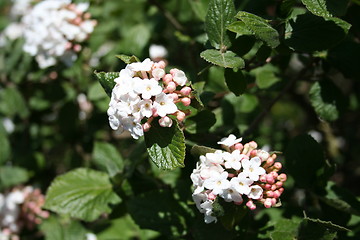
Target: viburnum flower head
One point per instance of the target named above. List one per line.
(143, 92)
(53, 30)
(243, 173)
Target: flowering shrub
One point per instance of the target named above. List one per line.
(281, 74)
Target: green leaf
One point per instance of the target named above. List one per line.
(12, 103)
(219, 15)
(327, 224)
(166, 146)
(341, 199)
(327, 100)
(317, 7)
(235, 81)
(240, 28)
(285, 229)
(128, 59)
(266, 76)
(310, 33)
(201, 150)
(107, 80)
(106, 156)
(201, 122)
(227, 59)
(159, 211)
(326, 8)
(55, 228)
(311, 230)
(304, 158)
(81, 193)
(96, 92)
(199, 7)
(5, 150)
(260, 28)
(12, 176)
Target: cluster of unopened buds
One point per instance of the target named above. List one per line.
(22, 207)
(241, 174)
(54, 28)
(143, 92)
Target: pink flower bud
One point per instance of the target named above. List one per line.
(180, 116)
(267, 186)
(174, 71)
(270, 194)
(77, 48)
(253, 153)
(251, 205)
(268, 203)
(167, 78)
(146, 126)
(273, 201)
(270, 161)
(158, 73)
(279, 184)
(174, 96)
(165, 121)
(263, 178)
(161, 64)
(171, 87)
(239, 146)
(273, 187)
(274, 174)
(278, 165)
(270, 179)
(77, 21)
(211, 196)
(263, 155)
(276, 194)
(281, 190)
(185, 91)
(282, 177)
(186, 101)
(253, 144)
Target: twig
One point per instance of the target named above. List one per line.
(259, 117)
(168, 15)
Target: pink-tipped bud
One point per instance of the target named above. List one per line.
(268, 186)
(274, 156)
(263, 178)
(180, 116)
(270, 179)
(185, 91)
(282, 177)
(158, 73)
(146, 126)
(273, 201)
(273, 187)
(253, 144)
(174, 71)
(274, 174)
(171, 87)
(68, 45)
(270, 194)
(281, 190)
(162, 64)
(165, 121)
(238, 146)
(211, 196)
(186, 101)
(174, 96)
(77, 48)
(77, 21)
(276, 194)
(264, 155)
(251, 205)
(167, 78)
(278, 165)
(279, 184)
(268, 203)
(253, 153)
(270, 161)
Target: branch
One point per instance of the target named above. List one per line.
(168, 15)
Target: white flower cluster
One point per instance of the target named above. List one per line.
(25, 202)
(235, 176)
(52, 29)
(143, 91)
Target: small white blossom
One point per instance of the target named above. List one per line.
(164, 105)
(145, 65)
(252, 168)
(231, 195)
(217, 183)
(180, 78)
(241, 184)
(157, 51)
(232, 160)
(230, 140)
(255, 192)
(148, 88)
